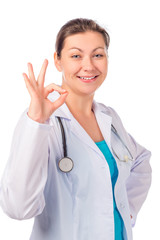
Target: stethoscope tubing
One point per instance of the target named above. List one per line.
(118, 136)
(66, 164)
(63, 137)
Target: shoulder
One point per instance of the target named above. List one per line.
(108, 110)
(116, 120)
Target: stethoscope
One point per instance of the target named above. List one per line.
(66, 164)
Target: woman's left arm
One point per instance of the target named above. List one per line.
(139, 181)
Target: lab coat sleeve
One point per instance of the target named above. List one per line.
(139, 181)
(24, 178)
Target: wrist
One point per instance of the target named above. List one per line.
(34, 118)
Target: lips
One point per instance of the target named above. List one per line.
(87, 79)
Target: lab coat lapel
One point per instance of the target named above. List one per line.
(104, 122)
(102, 117)
(80, 133)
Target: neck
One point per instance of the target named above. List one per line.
(79, 105)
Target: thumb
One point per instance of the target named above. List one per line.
(59, 101)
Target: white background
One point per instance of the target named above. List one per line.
(28, 29)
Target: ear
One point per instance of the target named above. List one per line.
(57, 62)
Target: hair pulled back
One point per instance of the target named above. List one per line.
(78, 25)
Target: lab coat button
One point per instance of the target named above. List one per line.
(126, 158)
(122, 205)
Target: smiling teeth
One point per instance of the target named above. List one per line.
(87, 78)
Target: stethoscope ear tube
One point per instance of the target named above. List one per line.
(127, 156)
(63, 137)
(65, 164)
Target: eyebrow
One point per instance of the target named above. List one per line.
(82, 50)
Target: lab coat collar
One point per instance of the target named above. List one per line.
(64, 112)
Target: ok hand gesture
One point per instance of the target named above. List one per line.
(41, 107)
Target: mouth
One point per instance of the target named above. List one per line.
(87, 78)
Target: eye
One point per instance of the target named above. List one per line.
(98, 55)
(76, 56)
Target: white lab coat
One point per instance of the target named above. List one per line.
(77, 205)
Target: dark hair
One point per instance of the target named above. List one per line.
(78, 25)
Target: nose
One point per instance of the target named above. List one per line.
(87, 64)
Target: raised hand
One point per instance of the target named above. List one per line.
(41, 107)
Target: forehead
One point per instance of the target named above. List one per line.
(84, 40)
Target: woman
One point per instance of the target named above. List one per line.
(98, 191)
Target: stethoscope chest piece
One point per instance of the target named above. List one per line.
(66, 164)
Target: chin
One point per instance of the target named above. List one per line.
(87, 91)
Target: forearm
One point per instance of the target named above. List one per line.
(23, 182)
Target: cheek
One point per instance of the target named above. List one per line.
(105, 66)
(70, 69)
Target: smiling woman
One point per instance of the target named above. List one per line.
(83, 63)
(100, 196)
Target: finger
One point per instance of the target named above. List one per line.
(41, 76)
(51, 87)
(31, 73)
(28, 83)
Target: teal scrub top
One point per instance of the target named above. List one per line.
(118, 222)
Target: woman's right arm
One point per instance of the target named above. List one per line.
(25, 176)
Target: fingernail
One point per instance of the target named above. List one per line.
(63, 90)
